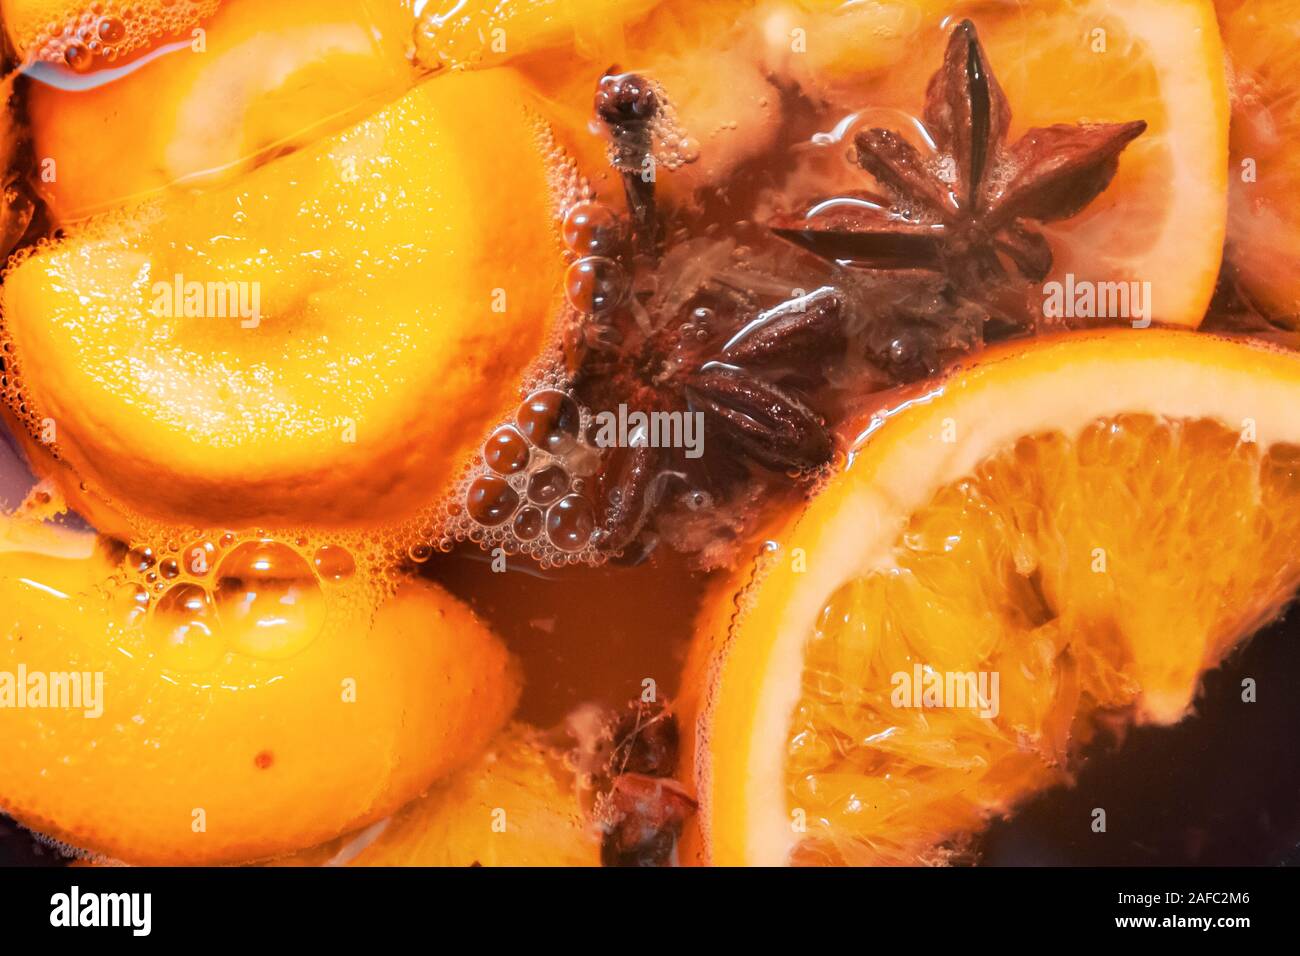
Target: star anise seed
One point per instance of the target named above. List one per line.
(971, 202)
(627, 496)
(792, 332)
(763, 420)
(646, 741)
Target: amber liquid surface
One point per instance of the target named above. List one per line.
(1191, 794)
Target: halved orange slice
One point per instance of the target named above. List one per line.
(1066, 531)
(1263, 42)
(308, 343)
(514, 806)
(168, 743)
(1162, 219)
(261, 80)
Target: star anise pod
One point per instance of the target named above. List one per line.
(967, 209)
(637, 353)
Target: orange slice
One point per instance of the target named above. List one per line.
(323, 340)
(1069, 530)
(514, 806)
(263, 78)
(174, 745)
(1162, 219)
(1263, 41)
(709, 59)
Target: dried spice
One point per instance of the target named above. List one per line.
(972, 204)
(935, 263)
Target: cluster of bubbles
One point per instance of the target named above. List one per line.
(11, 388)
(529, 490)
(104, 32)
(673, 146)
(199, 596)
(565, 181)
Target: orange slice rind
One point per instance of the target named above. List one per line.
(145, 760)
(1097, 518)
(306, 344)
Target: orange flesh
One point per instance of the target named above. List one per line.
(1034, 569)
(1263, 41)
(268, 78)
(178, 752)
(1009, 774)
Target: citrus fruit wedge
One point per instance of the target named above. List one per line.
(309, 343)
(514, 806)
(116, 739)
(1263, 42)
(1065, 532)
(262, 78)
(1163, 217)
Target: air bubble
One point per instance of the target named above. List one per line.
(78, 57)
(528, 524)
(334, 563)
(547, 485)
(140, 558)
(183, 629)
(595, 284)
(111, 29)
(268, 600)
(591, 229)
(570, 523)
(506, 451)
(550, 419)
(698, 500)
(490, 500)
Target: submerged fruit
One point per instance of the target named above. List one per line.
(265, 77)
(184, 744)
(1161, 222)
(1069, 531)
(708, 58)
(309, 343)
(1263, 41)
(515, 806)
